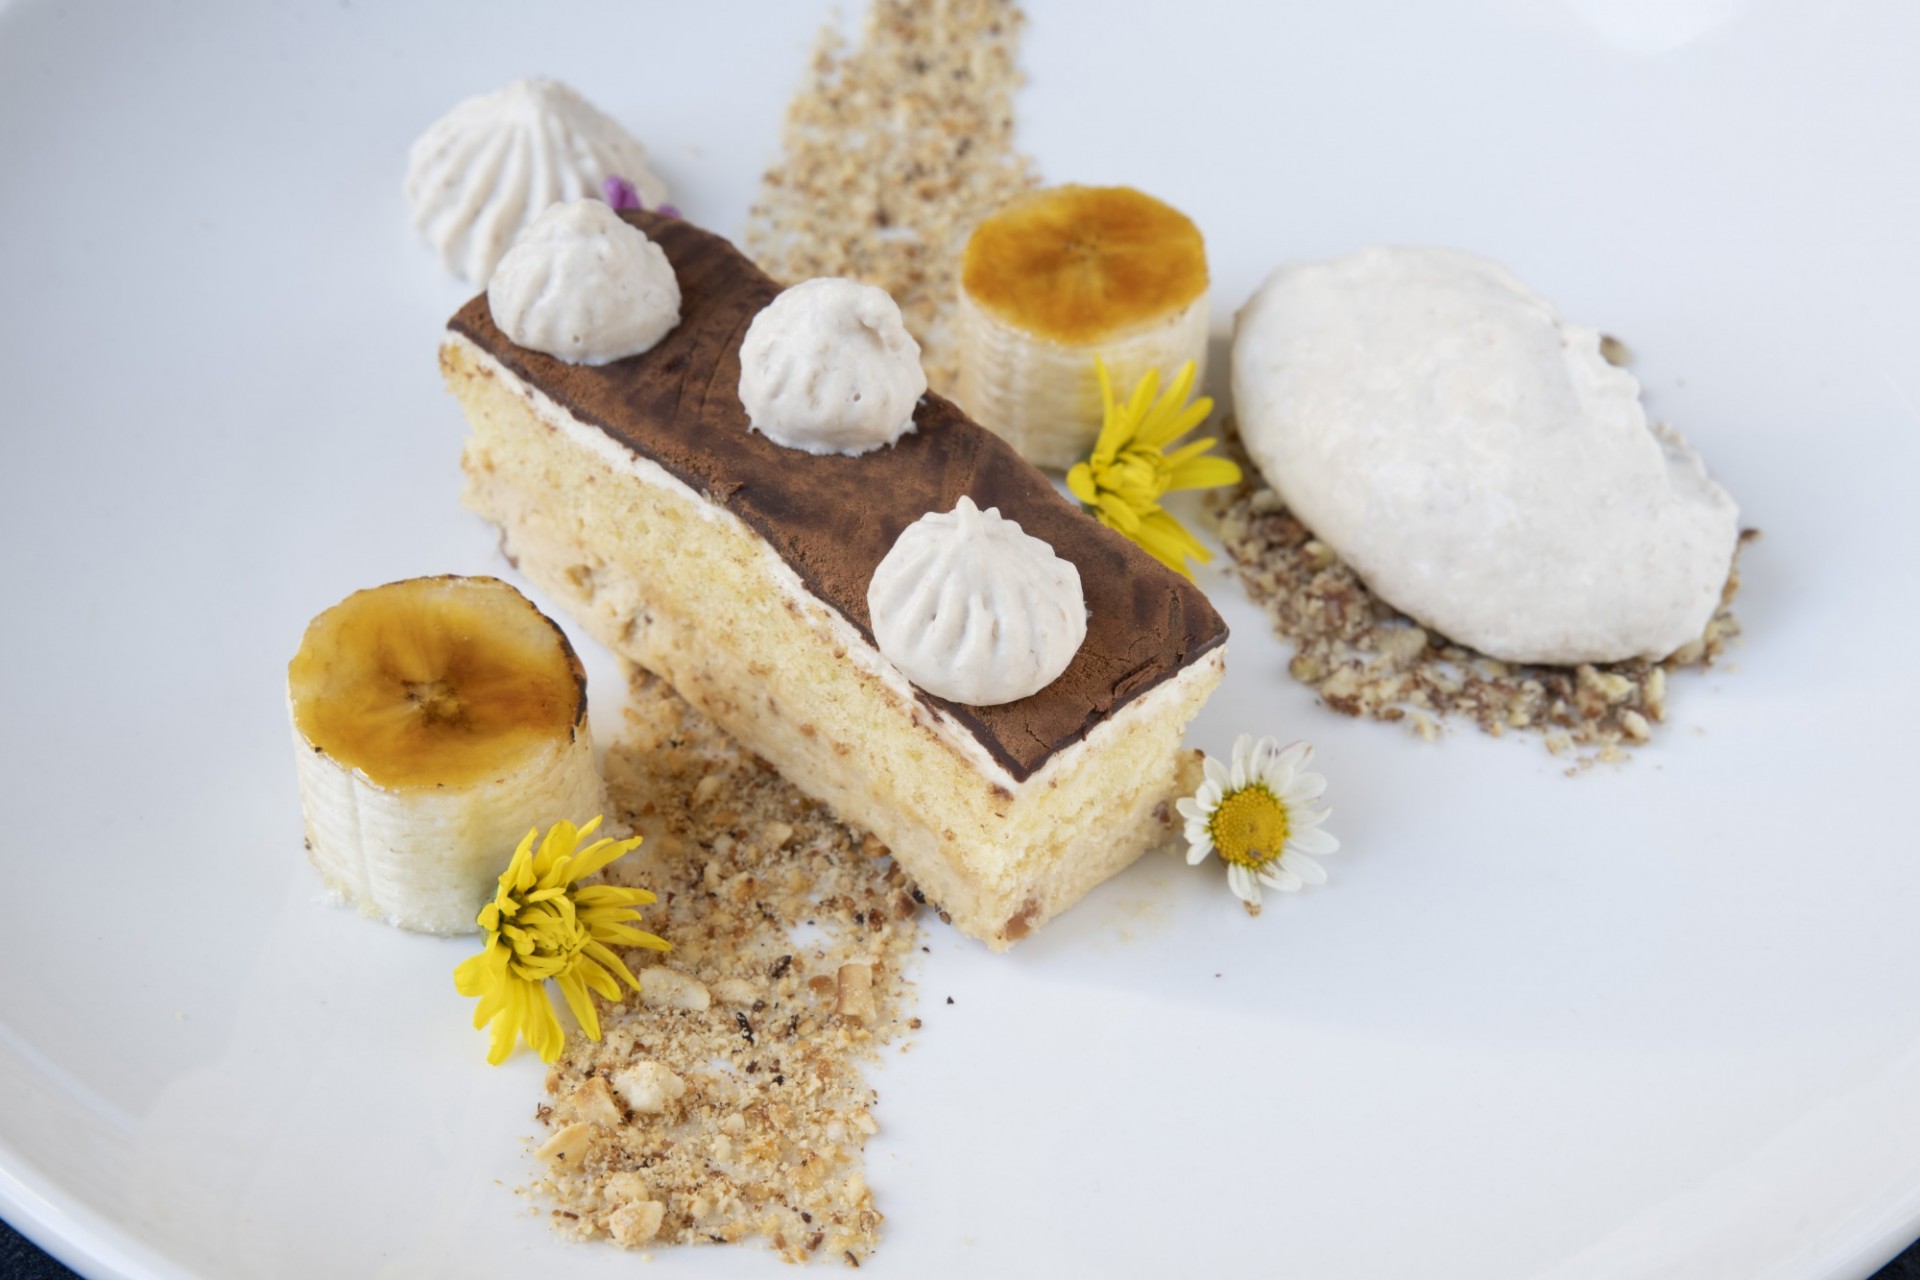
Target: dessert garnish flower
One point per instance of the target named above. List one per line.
(1130, 469)
(542, 924)
(621, 194)
(1262, 816)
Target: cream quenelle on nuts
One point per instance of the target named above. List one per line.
(1476, 460)
(829, 367)
(585, 286)
(973, 609)
(484, 171)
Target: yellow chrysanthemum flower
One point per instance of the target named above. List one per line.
(1122, 481)
(542, 925)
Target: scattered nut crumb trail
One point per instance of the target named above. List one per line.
(894, 149)
(726, 1101)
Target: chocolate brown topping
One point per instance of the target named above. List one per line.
(833, 517)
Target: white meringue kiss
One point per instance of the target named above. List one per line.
(585, 286)
(829, 367)
(972, 609)
(484, 171)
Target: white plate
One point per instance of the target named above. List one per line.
(1659, 1020)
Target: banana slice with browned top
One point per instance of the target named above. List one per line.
(436, 721)
(1058, 277)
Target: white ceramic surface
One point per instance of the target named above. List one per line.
(1661, 1020)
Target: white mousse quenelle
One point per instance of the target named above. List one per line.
(1477, 461)
(974, 610)
(485, 170)
(829, 367)
(586, 286)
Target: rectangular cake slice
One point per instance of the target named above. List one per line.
(634, 494)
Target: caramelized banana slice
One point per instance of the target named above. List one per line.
(436, 721)
(1058, 277)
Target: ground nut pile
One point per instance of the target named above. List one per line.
(726, 1100)
(1366, 659)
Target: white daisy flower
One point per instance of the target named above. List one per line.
(1261, 817)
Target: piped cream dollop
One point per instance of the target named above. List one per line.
(484, 171)
(584, 285)
(973, 609)
(1477, 461)
(829, 367)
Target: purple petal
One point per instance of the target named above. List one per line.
(668, 211)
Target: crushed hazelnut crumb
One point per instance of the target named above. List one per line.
(725, 1102)
(1367, 659)
(854, 998)
(567, 1148)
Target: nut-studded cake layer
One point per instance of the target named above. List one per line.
(831, 518)
(670, 580)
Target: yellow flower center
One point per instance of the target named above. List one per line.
(1249, 826)
(556, 939)
(1138, 476)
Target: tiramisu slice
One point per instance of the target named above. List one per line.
(739, 568)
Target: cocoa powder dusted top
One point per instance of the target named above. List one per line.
(833, 517)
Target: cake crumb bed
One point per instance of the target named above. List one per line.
(726, 1100)
(894, 150)
(1365, 658)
